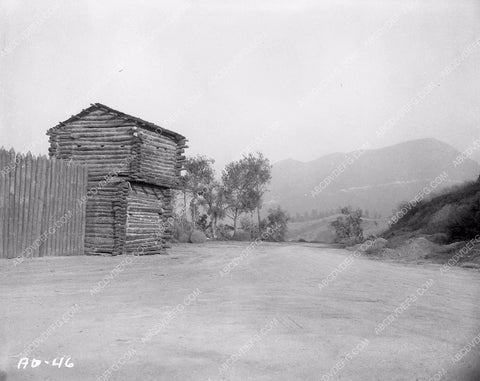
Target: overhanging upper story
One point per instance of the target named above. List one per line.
(110, 142)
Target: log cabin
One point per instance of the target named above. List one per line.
(133, 166)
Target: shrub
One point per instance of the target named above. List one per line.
(246, 224)
(465, 221)
(198, 237)
(181, 227)
(224, 232)
(183, 237)
(275, 228)
(378, 245)
(202, 223)
(242, 235)
(348, 227)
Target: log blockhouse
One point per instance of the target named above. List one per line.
(133, 165)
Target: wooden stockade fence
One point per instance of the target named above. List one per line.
(41, 208)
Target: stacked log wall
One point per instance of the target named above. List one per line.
(144, 233)
(118, 150)
(120, 217)
(102, 142)
(100, 232)
(160, 159)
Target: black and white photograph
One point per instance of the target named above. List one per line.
(244, 190)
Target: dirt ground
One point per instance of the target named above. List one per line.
(177, 317)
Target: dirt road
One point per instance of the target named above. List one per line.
(263, 317)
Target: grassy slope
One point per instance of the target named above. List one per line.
(449, 220)
(449, 217)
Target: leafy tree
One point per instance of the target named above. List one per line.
(199, 175)
(245, 182)
(275, 225)
(348, 227)
(258, 176)
(213, 200)
(239, 196)
(247, 224)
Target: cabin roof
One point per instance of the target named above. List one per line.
(139, 122)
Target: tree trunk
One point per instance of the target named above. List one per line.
(193, 213)
(251, 224)
(184, 212)
(184, 209)
(209, 226)
(214, 227)
(235, 216)
(258, 216)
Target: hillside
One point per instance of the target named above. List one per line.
(444, 229)
(447, 218)
(378, 180)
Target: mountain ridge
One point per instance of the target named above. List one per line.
(398, 171)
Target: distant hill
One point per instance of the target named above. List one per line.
(378, 180)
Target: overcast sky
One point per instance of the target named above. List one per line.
(294, 79)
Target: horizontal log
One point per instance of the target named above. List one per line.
(96, 148)
(111, 123)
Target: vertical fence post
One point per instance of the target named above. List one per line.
(35, 194)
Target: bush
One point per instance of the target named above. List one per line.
(465, 221)
(183, 237)
(246, 224)
(198, 237)
(242, 235)
(275, 228)
(202, 223)
(224, 232)
(181, 227)
(348, 227)
(378, 245)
